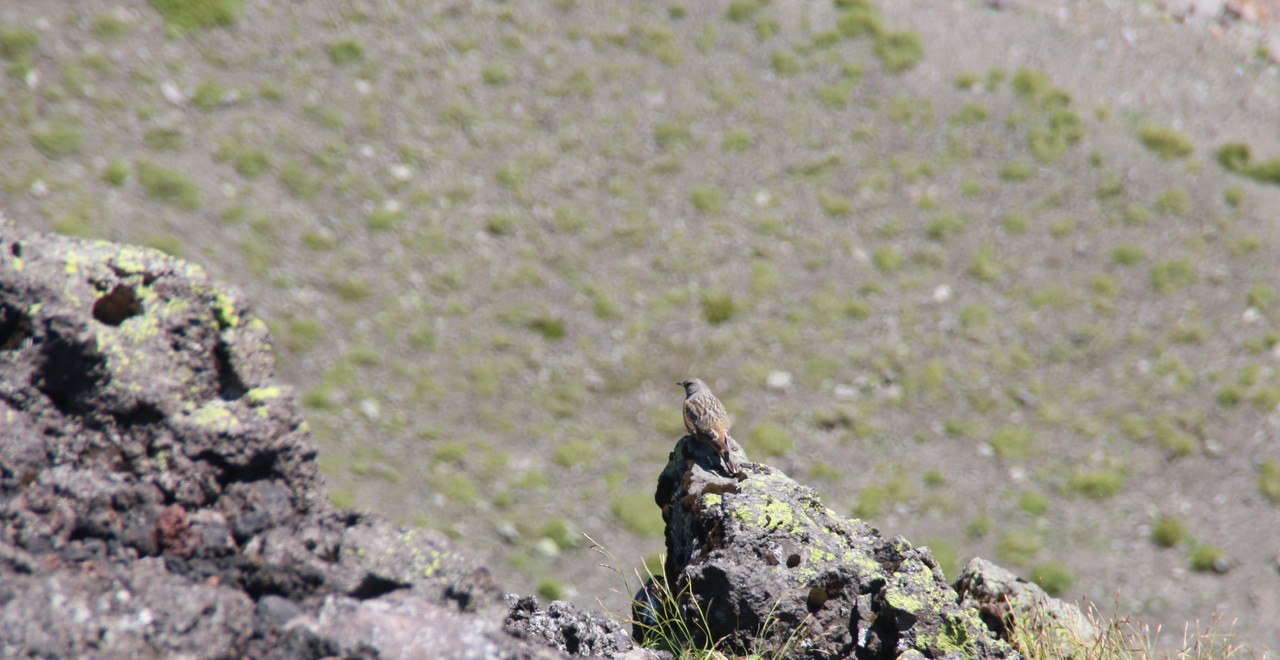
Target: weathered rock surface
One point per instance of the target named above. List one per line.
(1003, 599)
(766, 566)
(570, 629)
(159, 495)
(139, 609)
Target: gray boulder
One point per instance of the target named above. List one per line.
(159, 495)
(1005, 601)
(138, 610)
(573, 630)
(755, 563)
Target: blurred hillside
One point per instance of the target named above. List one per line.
(977, 274)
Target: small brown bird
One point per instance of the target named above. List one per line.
(706, 419)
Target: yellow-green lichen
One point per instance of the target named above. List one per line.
(225, 311)
(137, 328)
(213, 415)
(260, 395)
(819, 555)
(960, 630)
(862, 561)
(131, 259)
(117, 356)
(71, 263)
(429, 569)
(146, 294)
(901, 600)
(711, 499)
(914, 577)
(775, 514)
(955, 637)
(176, 306)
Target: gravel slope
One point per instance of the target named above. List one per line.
(961, 298)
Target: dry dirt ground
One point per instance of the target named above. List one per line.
(1001, 298)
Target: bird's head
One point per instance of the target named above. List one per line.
(692, 386)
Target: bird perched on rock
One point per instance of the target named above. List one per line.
(706, 419)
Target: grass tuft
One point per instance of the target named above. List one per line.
(58, 139)
(1236, 157)
(1037, 635)
(17, 44)
(718, 306)
(899, 51)
(345, 51)
(1166, 143)
(1269, 480)
(1169, 531)
(1098, 484)
(769, 440)
(183, 15)
(168, 186)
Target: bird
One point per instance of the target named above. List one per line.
(706, 419)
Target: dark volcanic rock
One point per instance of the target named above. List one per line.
(402, 626)
(768, 567)
(159, 495)
(570, 629)
(120, 610)
(131, 381)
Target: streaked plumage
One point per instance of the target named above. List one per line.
(706, 420)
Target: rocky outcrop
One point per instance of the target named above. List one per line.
(159, 495)
(571, 630)
(1005, 601)
(757, 563)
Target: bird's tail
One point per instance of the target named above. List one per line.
(726, 454)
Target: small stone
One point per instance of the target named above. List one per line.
(171, 93)
(546, 547)
(401, 172)
(507, 531)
